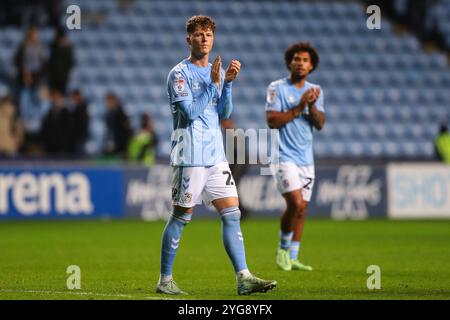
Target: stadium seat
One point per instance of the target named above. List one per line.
(370, 79)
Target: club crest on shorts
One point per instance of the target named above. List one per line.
(187, 197)
(286, 183)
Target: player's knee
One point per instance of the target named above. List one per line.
(298, 207)
(301, 209)
(300, 214)
(295, 205)
(182, 216)
(230, 214)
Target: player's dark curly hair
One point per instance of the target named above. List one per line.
(204, 22)
(301, 47)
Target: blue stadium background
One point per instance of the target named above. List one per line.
(386, 94)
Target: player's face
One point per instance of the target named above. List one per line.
(201, 41)
(301, 64)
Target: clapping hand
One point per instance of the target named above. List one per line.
(232, 70)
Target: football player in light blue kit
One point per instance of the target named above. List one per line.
(199, 95)
(295, 107)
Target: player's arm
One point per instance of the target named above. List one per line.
(181, 96)
(225, 104)
(316, 110)
(274, 116)
(317, 118)
(192, 109)
(277, 119)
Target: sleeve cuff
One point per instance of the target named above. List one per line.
(227, 85)
(213, 89)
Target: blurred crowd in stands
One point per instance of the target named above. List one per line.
(41, 13)
(419, 16)
(41, 87)
(39, 117)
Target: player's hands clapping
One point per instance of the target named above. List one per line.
(232, 70)
(310, 96)
(216, 71)
(230, 74)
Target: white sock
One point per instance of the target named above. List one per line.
(243, 274)
(164, 279)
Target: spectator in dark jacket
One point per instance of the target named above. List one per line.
(80, 122)
(118, 127)
(61, 61)
(56, 127)
(30, 63)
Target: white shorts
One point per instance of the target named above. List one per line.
(289, 177)
(191, 185)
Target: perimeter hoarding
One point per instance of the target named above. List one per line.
(418, 190)
(42, 193)
(340, 192)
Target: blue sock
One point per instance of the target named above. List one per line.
(294, 249)
(285, 240)
(171, 240)
(232, 237)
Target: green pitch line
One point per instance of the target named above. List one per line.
(120, 260)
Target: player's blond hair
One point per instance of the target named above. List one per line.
(204, 22)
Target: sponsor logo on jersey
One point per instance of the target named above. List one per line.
(291, 99)
(196, 86)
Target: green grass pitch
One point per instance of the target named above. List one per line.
(120, 260)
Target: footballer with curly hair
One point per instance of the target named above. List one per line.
(295, 107)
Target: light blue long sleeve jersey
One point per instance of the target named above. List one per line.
(296, 136)
(197, 105)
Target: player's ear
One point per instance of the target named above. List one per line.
(188, 40)
(289, 65)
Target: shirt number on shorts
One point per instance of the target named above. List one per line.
(306, 186)
(229, 182)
